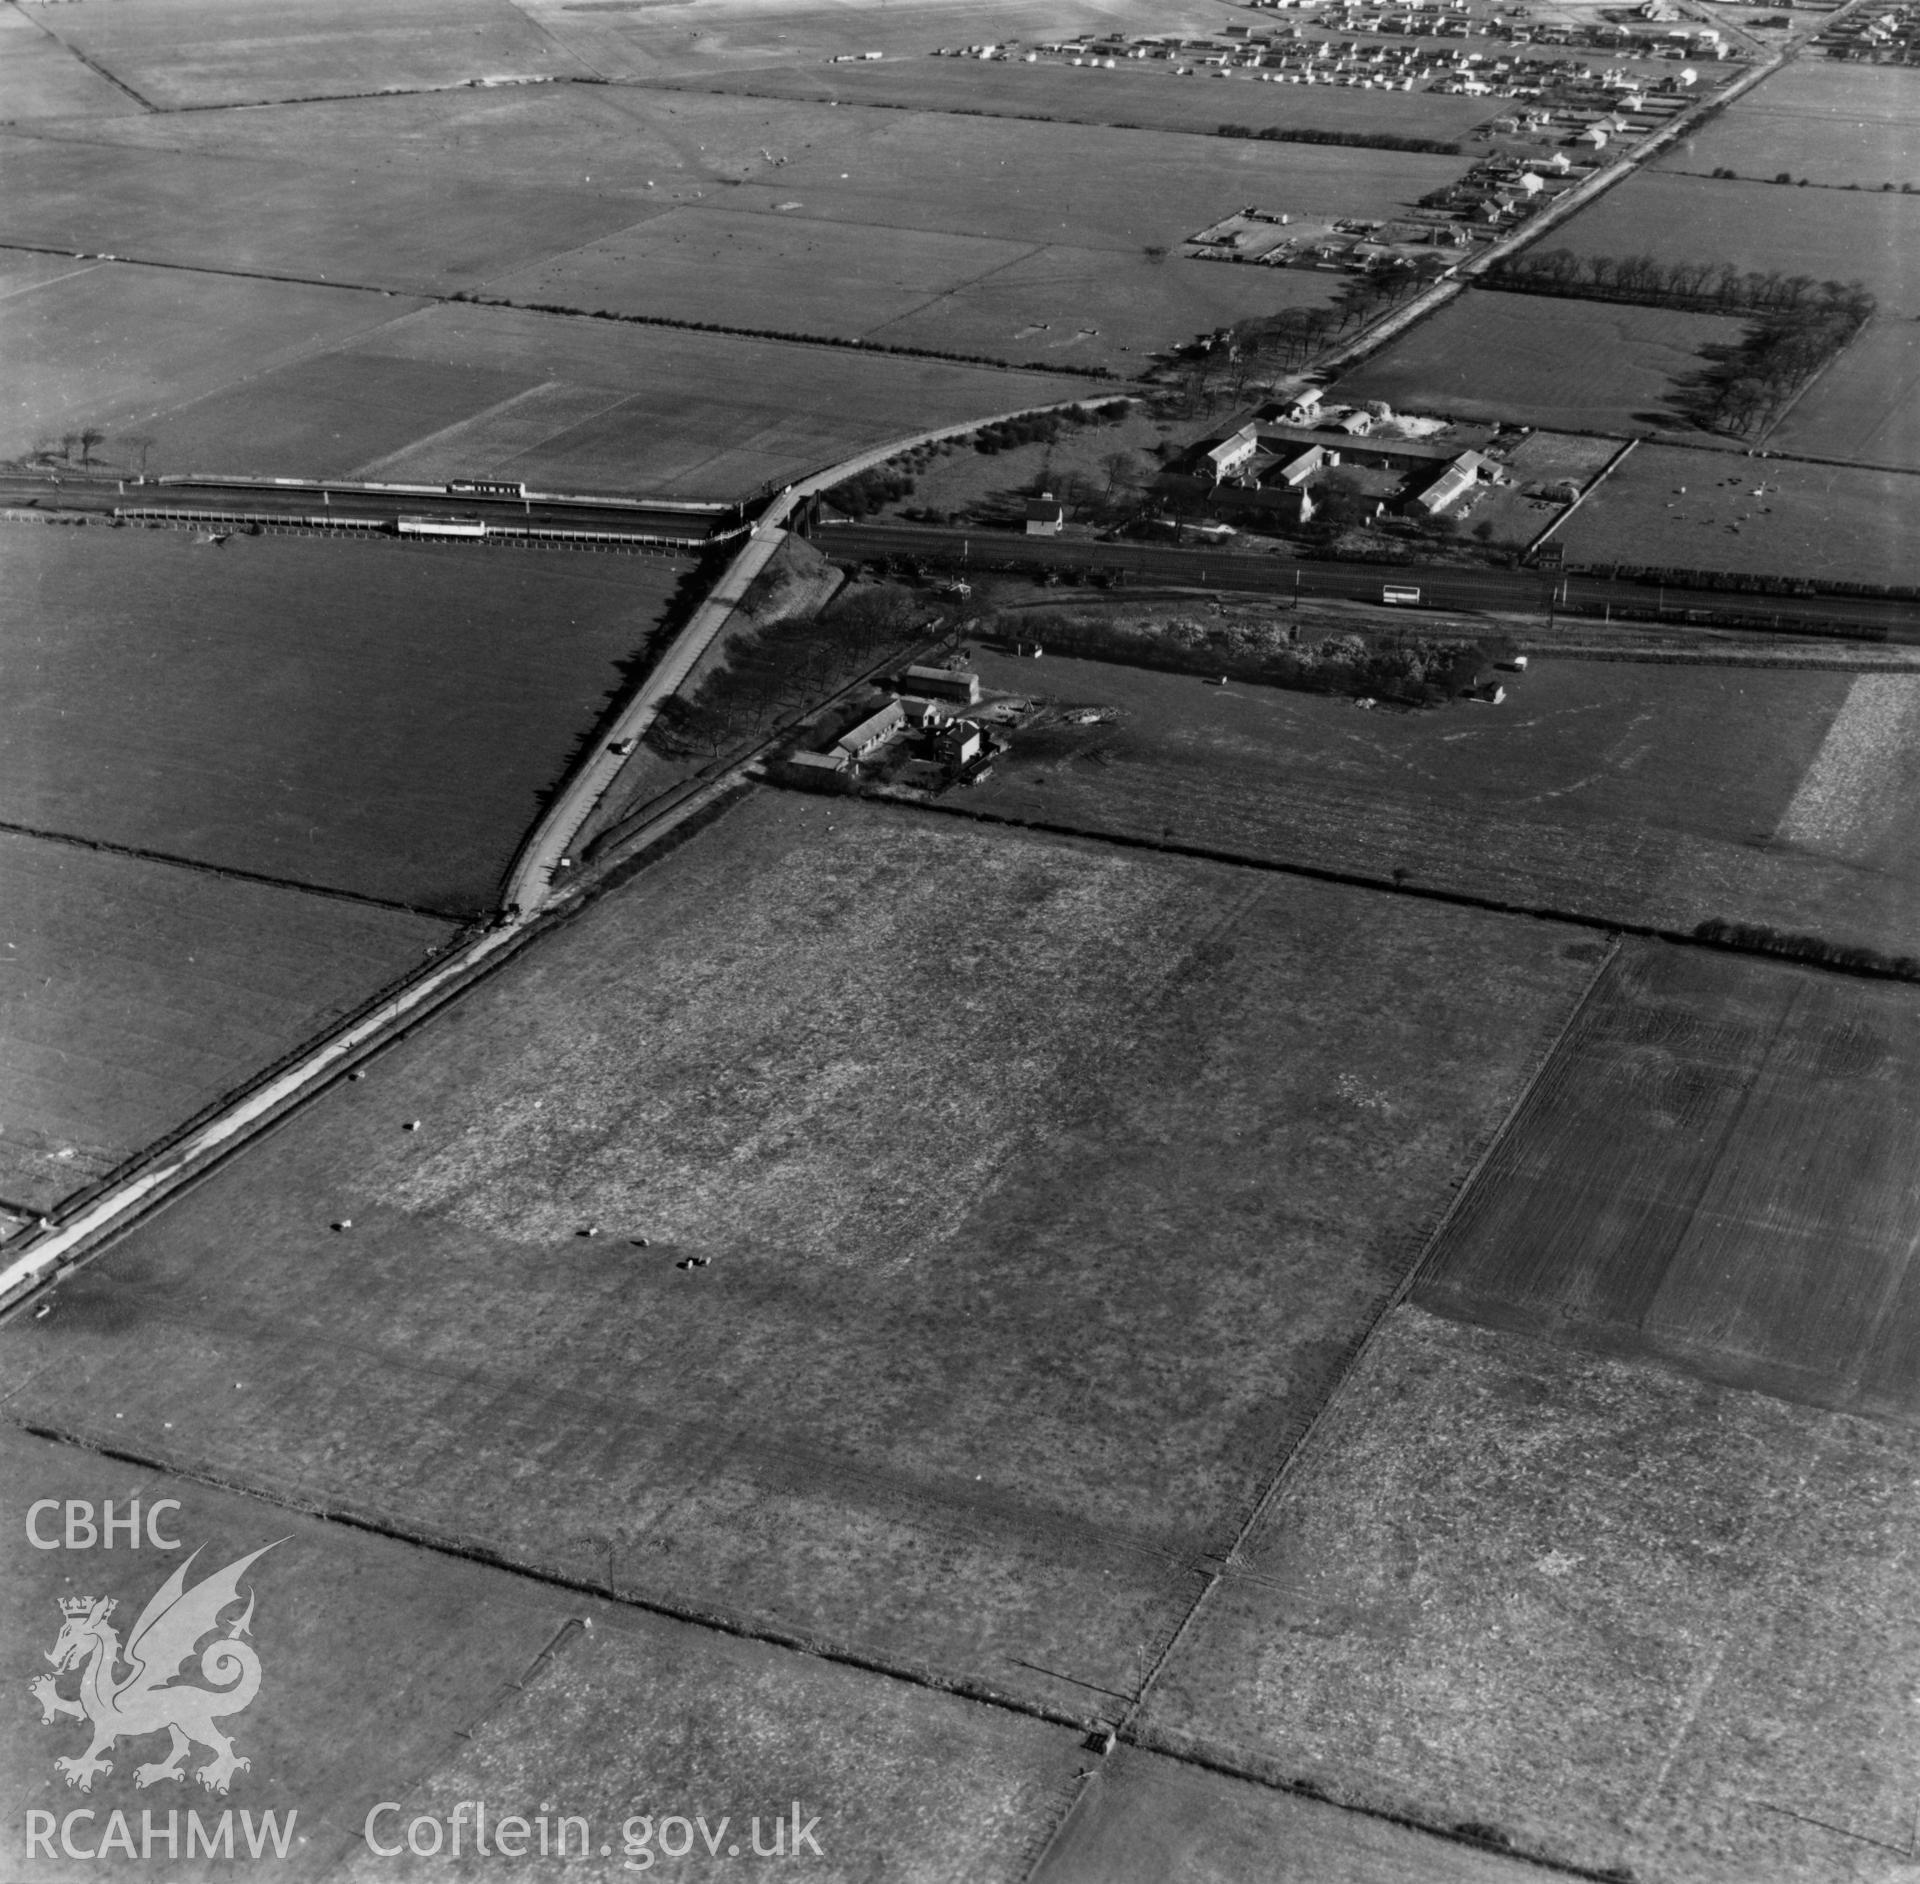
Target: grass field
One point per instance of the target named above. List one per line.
(612, 156)
(1148, 98)
(1604, 789)
(40, 78)
(1866, 406)
(400, 220)
(1832, 235)
(392, 1672)
(228, 52)
(1581, 365)
(1674, 508)
(1832, 124)
(377, 1658)
(1051, 1149)
(1151, 1820)
(792, 216)
(1620, 1619)
(1719, 1170)
(635, 410)
(897, 1781)
(369, 717)
(133, 993)
(692, 39)
(110, 345)
(948, 293)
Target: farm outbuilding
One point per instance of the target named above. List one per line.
(872, 732)
(1467, 470)
(1314, 458)
(1046, 515)
(944, 683)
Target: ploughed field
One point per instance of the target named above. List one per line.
(1591, 366)
(375, 718)
(579, 406)
(108, 346)
(1088, 1166)
(1655, 794)
(1719, 1170)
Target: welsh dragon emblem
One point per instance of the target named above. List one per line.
(138, 1702)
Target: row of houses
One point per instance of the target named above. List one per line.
(1890, 35)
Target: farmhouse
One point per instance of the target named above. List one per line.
(1232, 454)
(960, 744)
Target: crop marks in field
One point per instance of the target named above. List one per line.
(1049, 1149)
(1581, 1607)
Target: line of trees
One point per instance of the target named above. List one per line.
(1745, 387)
(1767, 940)
(1415, 671)
(780, 668)
(1361, 140)
(1222, 368)
(1648, 281)
(1042, 428)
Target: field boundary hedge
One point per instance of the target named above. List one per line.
(1732, 938)
(852, 343)
(1850, 958)
(1354, 140)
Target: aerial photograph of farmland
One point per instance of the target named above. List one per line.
(973, 944)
